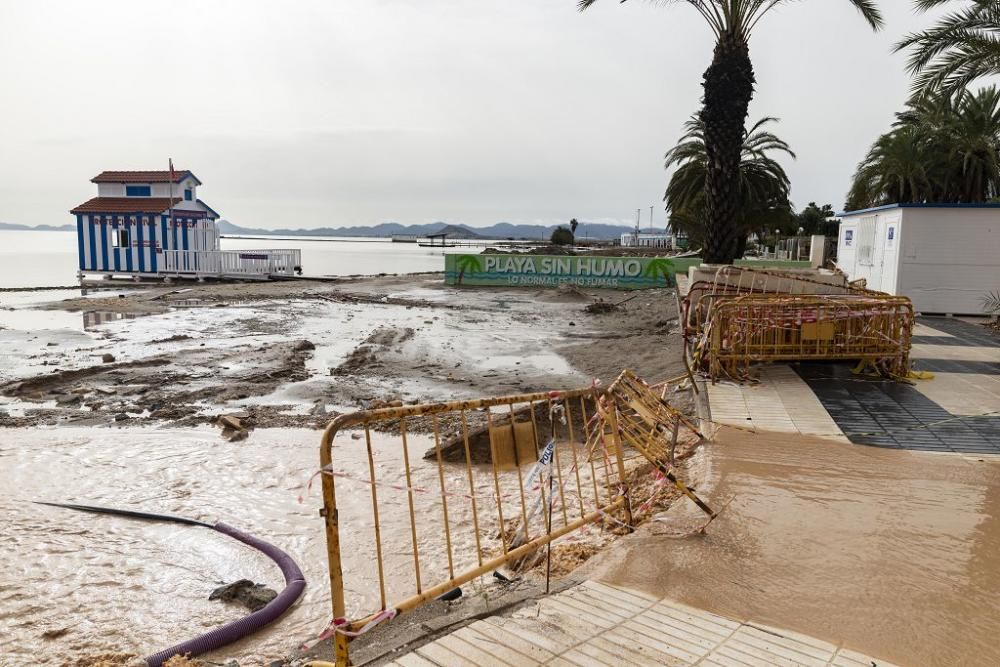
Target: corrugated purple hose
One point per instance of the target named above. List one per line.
(295, 583)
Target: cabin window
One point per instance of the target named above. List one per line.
(866, 241)
(138, 190)
(188, 194)
(120, 239)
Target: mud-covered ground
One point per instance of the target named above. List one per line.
(293, 354)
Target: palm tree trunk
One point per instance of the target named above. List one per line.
(729, 83)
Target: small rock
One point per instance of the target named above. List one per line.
(67, 399)
(252, 596)
(122, 416)
(108, 358)
(51, 344)
(304, 345)
(572, 324)
(355, 436)
(230, 421)
(235, 435)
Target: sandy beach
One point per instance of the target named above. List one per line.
(180, 356)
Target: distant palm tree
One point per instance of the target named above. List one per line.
(963, 46)
(659, 267)
(729, 86)
(468, 263)
(762, 183)
(943, 148)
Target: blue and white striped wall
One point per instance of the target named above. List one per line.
(149, 235)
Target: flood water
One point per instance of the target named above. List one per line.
(128, 586)
(41, 259)
(104, 584)
(892, 553)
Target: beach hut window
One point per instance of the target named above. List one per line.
(138, 190)
(188, 195)
(120, 239)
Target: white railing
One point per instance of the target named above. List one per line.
(224, 263)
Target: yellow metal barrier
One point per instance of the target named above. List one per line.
(499, 507)
(472, 504)
(874, 329)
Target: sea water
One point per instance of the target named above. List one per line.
(43, 259)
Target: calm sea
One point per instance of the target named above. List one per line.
(37, 259)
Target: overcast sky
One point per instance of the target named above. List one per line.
(319, 113)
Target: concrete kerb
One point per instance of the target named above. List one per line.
(436, 619)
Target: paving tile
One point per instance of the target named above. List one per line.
(501, 650)
(472, 653)
(413, 659)
(441, 655)
(513, 641)
(610, 653)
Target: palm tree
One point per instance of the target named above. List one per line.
(761, 185)
(468, 263)
(942, 148)
(659, 267)
(963, 46)
(729, 85)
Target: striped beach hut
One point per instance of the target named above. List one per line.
(152, 224)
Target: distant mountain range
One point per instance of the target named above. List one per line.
(502, 230)
(9, 227)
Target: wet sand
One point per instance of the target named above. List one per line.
(892, 553)
(317, 349)
(80, 585)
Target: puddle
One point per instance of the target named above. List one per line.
(892, 553)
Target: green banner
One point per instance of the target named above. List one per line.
(583, 270)
(555, 270)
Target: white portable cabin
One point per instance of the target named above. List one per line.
(944, 257)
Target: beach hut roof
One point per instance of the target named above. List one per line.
(143, 176)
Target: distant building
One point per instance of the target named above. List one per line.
(152, 224)
(664, 240)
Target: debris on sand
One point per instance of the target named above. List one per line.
(245, 592)
(366, 356)
(108, 358)
(182, 661)
(601, 306)
(235, 427)
(103, 660)
(171, 339)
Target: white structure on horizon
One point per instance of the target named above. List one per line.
(152, 224)
(944, 257)
(649, 240)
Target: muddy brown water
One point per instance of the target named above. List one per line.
(893, 553)
(74, 584)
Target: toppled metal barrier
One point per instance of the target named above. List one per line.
(462, 516)
(728, 325)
